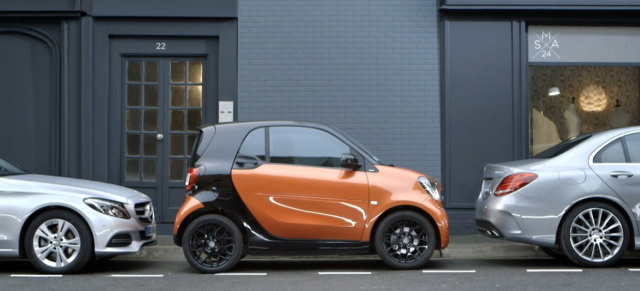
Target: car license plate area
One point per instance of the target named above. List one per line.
(150, 230)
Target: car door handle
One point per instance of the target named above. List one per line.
(623, 174)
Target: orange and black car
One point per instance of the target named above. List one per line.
(301, 188)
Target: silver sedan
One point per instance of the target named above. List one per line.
(580, 198)
(61, 224)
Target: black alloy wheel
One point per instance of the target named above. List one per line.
(594, 234)
(212, 244)
(405, 240)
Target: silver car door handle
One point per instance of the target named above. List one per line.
(617, 174)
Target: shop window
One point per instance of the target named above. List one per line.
(567, 101)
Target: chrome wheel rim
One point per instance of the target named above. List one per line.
(56, 243)
(211, 245)
(596, 235)
(406, 241)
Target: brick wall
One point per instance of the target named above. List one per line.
(368, 67)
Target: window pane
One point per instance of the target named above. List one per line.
(133, 145)
(194, 97)
(133, 119)
(177, 120)
(194, 119)
(134, 71)
(132, 170)
(633, 146)
(133, 95)
(195, 72)
(151, 71)
(305, 146)
(151, 120)
(150, 95)
(150, 145)
(253, 144)
(177, 169)
(178, 71)
(612, 153)
(148, 170)
(176, 145)
(177, 96)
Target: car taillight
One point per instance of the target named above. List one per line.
(514, 182)
(191, 179)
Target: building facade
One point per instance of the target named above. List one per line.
(112, 90)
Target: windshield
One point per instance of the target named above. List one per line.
(7, 169)
(562, 147)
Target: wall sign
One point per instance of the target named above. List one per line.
(569, 44)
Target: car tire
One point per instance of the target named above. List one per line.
(212, 244)
(58, 241)
(594, 234)
(405, 240)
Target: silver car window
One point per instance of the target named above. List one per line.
(612, 153)
(633, 146)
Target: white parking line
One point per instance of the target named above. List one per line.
(137, 276)
(344, 273)
(35, 276)
(447, 271)
(554, 270)
(240, 274)
(634, 270)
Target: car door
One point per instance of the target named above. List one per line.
(291, 180)
(618, 165)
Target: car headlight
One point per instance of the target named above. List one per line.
(430, 187)
(107, 207)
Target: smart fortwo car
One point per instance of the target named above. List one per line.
(273, 188)
(60, 224)
(580, 198)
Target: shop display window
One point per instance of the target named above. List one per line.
(567, 101)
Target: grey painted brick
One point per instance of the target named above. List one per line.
(368, 67)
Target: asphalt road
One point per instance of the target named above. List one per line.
(361, 274)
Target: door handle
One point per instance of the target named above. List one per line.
(159, 136)
(621, 174)
(242, 160)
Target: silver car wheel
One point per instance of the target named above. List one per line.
(56, 243)
(596, 235)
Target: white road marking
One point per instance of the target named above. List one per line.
(137, 276)
(344, 273)
(35, 276)
(447, 271)
(240, 274)
(634, 270)
(554, 270)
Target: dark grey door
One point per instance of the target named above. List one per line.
(163, 106)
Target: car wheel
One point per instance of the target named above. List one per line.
(212, 244)
(594, 235)
(554, 252)
(58, 242)
(405, 240)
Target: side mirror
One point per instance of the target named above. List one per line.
(349, 161)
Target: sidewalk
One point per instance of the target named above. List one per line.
(460, 247)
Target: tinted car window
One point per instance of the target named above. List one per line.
(612, 153)
(7, 169)
(305, 146)
(562, 147)
(254, 144)
(633, 146)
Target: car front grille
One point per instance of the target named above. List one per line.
(144, 211)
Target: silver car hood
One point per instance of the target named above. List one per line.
(39, 183)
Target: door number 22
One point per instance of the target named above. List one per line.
(161, 46)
